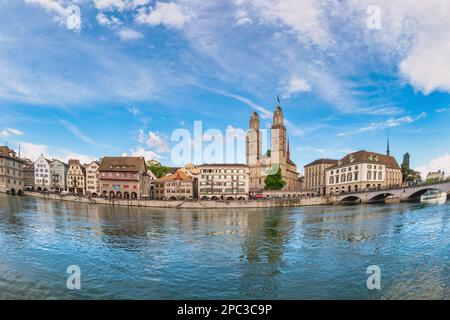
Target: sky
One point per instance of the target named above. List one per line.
(131, 72)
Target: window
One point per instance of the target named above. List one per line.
(369, 175)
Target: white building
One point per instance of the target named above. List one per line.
(223, 182)
(92, 179)
(363, 170)
(436, 176)
(42, 179)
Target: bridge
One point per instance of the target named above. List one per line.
(402, 194)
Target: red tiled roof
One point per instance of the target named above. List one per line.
(179, 175)
(122, 164)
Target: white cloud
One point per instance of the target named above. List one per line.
(80, 135)
(104, 20)
(168, 14)
(441, 110)
(53, 6)
(393, 122)
(416, 31)
(10, 132)
(141, 152)
(293, 86)
(155, 140)
(33, 151)
(441, 163)
(130, 34)
(242, 18)
(304, 18)
(110, 4)
(133, 110)
(119, 4)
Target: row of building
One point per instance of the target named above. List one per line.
(128, 177)
(122, 178)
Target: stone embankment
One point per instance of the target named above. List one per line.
(189, 204)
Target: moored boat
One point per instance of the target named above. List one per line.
(434, 197)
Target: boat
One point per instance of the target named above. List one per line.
(434, 197)
(392, 200)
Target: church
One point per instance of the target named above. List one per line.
(278, 156)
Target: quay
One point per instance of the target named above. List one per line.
(292, 199)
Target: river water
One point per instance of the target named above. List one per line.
(285, 253)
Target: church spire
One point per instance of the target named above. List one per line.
(388, 151)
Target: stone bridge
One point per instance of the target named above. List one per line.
(403, 194)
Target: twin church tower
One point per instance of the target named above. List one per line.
(278, 156)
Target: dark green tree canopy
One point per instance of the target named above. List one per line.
(409, 175)
(274, 181)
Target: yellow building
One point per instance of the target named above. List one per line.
(76, 177)
(315, 176)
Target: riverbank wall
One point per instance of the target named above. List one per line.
(188, 204)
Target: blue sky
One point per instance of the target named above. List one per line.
(139, 69)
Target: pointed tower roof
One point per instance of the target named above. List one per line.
(388, 151)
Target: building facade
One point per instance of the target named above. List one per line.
(11, 171)
(42, 181)
(277, 157)
(76, 177)
(177, 186)
(58, 175)
(93, 179)
(224, 182)
(28, 174)
(315, 176)
(436, 176)
(363, 170)
(124, 178)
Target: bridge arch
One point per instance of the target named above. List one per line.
(350, 199)
(420, 192)
(380, 197)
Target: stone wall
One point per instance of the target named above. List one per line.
(185, 204)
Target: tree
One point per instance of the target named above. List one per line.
(274, 181)
(409, 175)
(158, 170)
(405, 166)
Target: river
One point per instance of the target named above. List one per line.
(286, 253)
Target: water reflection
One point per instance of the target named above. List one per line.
(317, 252)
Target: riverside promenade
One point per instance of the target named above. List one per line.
(186, 204)
(403, 194)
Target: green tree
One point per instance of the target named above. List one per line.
(405, 167)
(158, 170)
(409, 175)
(274, 181)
